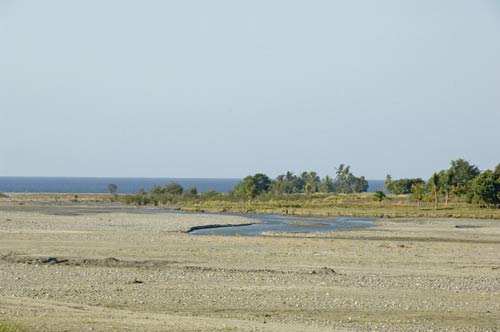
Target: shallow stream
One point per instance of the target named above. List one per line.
(269, 223)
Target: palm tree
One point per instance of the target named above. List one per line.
(435, 186)
(447, 184)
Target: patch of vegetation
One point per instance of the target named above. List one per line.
(2, 195)
(401, 186)
(379, 196)
(465, 190)
(8, 326)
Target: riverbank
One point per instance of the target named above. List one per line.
(142, 272)
(343, 206)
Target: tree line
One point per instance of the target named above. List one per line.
(307, 182)
(258, 185)
(462, 179)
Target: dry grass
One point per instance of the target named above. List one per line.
(356, 205)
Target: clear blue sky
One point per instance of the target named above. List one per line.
(228, 88)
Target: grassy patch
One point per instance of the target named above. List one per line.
(353, 205)
(8, 326)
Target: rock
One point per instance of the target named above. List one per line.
(53, 260)
(323, 270)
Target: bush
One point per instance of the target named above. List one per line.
(191, 192)
(210, 194)
(171, 188)
(485, 190)
(140, 199)
(402, 186)
(379, 196)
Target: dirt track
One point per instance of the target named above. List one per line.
(118, 272)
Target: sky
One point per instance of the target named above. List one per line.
(227, 88)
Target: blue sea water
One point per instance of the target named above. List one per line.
(125, 185)
(100, 185)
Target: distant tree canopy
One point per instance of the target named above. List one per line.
(496, 172)
(311, 182)
(379, 196)
(347, 183)
(112, 188)
(191, 192)
(485, 189)
(461, 174)
(401, 186)
(290, 183)
(462, 180)
(307, 182)
(434, 184)
(419, 191)
(456, 180)
(171, 188)
(252, 186)
(327, 185)
(446, 183)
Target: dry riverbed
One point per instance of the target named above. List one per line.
(62, 271)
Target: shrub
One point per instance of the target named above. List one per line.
(210, 194)
(485, 190)
(191, 192)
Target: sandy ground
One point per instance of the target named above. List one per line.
(127, 272)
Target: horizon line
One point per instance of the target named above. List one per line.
(135, 177)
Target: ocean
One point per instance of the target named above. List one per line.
(125, 185)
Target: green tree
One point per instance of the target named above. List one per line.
(496, 172)
(157, 190)
(359, 185)
(379, 196)
(287, 183)
(463, 174)
(485, 189)
(346, 182)
(210, 194)
(446, 184)
(173, 189)
(308, 189)
(262, 182)
(191, 192)
(388, 183)
(419, 191)
(342, 184)
(435, 187)
(247, 188)
(311, 181)
(326, 185)
(252, 186)
(278, 185)
(403, 186)
(112, 188)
